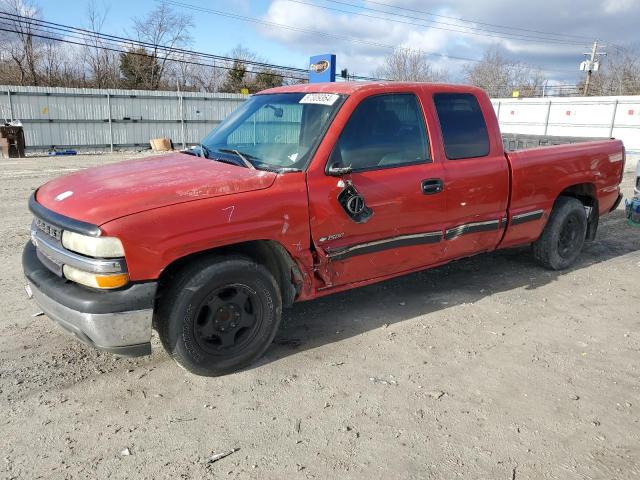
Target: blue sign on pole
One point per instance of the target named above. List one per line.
(322, 68)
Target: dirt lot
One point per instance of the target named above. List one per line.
(487, 368)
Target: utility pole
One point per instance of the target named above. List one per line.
(591, 65)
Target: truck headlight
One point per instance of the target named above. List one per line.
(95, 280)
(100, 247)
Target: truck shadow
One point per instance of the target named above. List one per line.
(334, 318)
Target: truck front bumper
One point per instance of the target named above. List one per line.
(117, 321)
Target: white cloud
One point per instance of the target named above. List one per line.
(613, 19)
(618, 6)
(374, 38)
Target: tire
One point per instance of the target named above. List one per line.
(220, 315)
(564, 235)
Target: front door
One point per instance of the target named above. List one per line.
(400, 224)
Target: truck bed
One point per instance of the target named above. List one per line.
(539, 175)
(517, 141)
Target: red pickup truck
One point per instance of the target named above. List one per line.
(304, 191)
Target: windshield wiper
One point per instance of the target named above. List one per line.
(233, 150)
(204, 151)
(240, 155)
(270, 168)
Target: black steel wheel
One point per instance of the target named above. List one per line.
(563, 237)
(220, 315)
(570, 235)
(228, 319)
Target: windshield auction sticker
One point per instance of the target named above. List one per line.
(320, 98)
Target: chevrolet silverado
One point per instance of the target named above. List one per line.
(304, 191)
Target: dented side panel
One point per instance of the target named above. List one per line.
(153, 239)
(400, 228)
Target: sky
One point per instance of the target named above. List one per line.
(552, 34)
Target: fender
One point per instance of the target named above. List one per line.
(156, 238)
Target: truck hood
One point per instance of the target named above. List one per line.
(101, 194)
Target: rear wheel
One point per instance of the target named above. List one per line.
(563, 237)
(220, 315)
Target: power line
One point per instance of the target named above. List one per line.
(51, 36)
(117, 43)
(67, 29)
(326, 34)
(423, 12)
(469, 30)
(51, 31)
(308, 31)
(39, 31)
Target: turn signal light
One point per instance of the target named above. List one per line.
(95, 280)
(112, 281)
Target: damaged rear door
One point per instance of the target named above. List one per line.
(377, 208)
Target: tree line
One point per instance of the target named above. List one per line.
(501, 77)
(157, 58)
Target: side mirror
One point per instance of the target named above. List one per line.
(277, 111)
(335, 171)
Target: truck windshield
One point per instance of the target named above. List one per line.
(275, 131)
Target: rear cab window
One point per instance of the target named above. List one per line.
(383, 131)
(464, 130)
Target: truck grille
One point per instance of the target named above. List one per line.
(48, 229)
(46, 237)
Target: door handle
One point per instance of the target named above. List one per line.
(432, 186)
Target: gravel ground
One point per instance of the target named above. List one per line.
(490, 367)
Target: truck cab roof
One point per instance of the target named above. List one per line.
(349, 88)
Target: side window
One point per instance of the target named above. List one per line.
(383, 131)
(464, 130)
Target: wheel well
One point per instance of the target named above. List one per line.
(268, 253)
(586, 193)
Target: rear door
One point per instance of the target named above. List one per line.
(476, 174)
(399, 227)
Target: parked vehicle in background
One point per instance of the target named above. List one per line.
(304, 191)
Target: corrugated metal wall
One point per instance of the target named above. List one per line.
(105, 119)
(119, 119)
(594, 117)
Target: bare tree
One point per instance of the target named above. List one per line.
(61, 67)
(52, 64)
(410, 66)
(20, 44)
(9, 73)
(101, 63)
(526, 79)
(207, 79)
(190, 73)
(499, 76)
(163, 27)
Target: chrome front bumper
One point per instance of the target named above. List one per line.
(118, 321)
(124, 333)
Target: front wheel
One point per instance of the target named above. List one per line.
(220, 315)
(563, 237)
